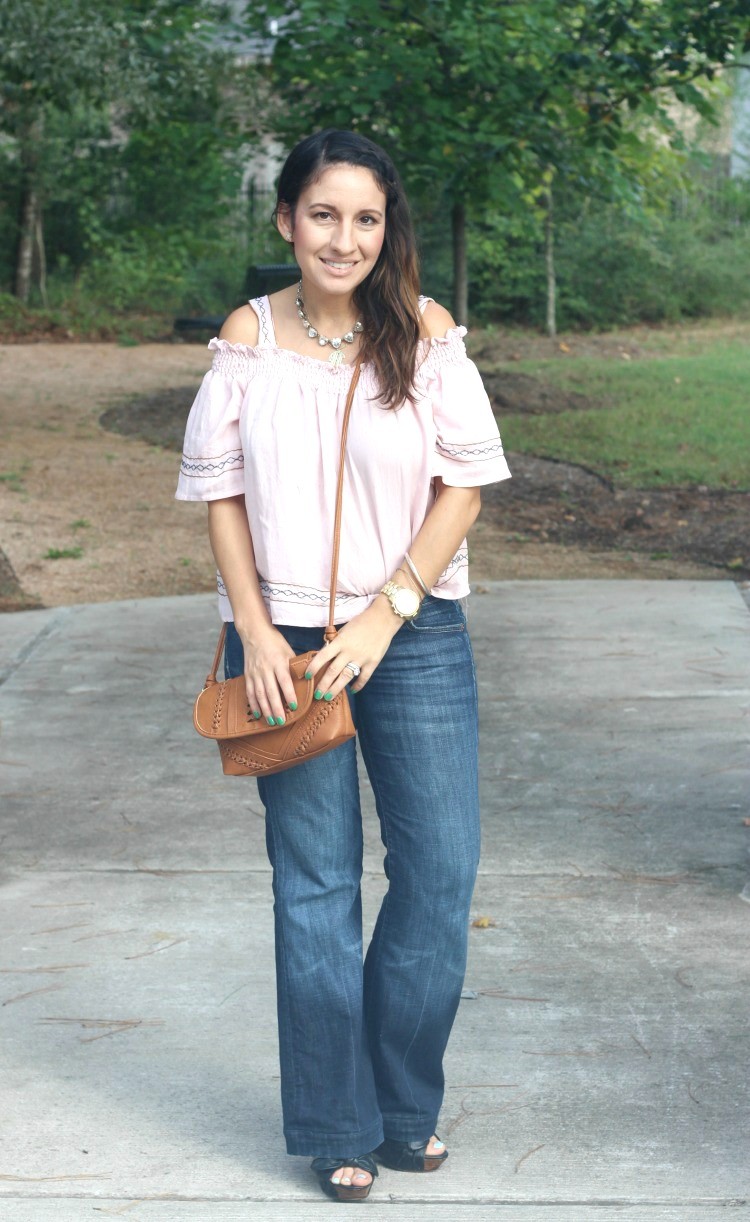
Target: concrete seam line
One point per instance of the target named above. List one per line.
(31, 646)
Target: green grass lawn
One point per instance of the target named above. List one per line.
(682, 418)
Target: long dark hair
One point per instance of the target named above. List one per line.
(387, 300)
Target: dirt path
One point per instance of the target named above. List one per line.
(68, 484)
(135, 540)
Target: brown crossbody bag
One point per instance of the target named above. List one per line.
(253, 748)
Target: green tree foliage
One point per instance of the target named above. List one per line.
(486, 101)
(617, 265)
(76, 77)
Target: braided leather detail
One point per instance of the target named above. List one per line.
(242, 757)
(312, 729)
(216, 719)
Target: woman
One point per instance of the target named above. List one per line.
(361, 1046)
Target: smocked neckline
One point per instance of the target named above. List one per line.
(452, 335)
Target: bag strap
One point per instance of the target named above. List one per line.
(211, 676)
(330, 631)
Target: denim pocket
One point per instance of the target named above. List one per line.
(439, 615)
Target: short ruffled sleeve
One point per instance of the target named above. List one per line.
(213, 463)
(468, 449)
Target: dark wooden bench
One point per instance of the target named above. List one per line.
(260, 279)
(269, 278)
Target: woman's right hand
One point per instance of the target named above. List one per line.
(270, 690)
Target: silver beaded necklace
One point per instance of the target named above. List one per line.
(337, 356)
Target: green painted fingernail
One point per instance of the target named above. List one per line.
(328, 696)
(293, 705)
(279, 721)
(318, 694)
(256, 713)
(271, 721)
(308, 674)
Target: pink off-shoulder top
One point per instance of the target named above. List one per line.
(266, 423)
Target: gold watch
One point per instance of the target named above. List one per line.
(405, 602)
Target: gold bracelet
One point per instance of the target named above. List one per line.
(415, 573)
(407, 580)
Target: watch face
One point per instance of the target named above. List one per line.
(407, 602)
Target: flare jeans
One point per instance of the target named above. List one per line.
(361, 1044)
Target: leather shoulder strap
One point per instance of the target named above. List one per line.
(211, 676)
(330, 631)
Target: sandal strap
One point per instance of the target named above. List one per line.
(363, 1161)
(407, 1155)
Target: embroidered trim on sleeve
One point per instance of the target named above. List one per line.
(209, 468)
(469, 450)
(459, 561)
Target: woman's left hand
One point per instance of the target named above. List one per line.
(364, 640)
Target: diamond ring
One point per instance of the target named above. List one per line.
(352, 666)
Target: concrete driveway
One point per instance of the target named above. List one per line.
(598, 1066)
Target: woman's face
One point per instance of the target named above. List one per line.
(338, 229)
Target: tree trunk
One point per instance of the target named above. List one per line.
(31, 206)
(549, 259)
(460, 273)
(25, 260)
(41, 258)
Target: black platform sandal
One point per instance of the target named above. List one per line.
(409, 1155)
(323, 1168)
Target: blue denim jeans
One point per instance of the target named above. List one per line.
(361, 1045)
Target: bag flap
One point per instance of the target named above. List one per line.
(221, 710)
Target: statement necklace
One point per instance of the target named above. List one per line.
(337, 356)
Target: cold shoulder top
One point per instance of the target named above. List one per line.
(266, 424)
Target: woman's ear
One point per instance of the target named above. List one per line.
(284, 222)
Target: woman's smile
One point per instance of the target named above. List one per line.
(336, 265)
